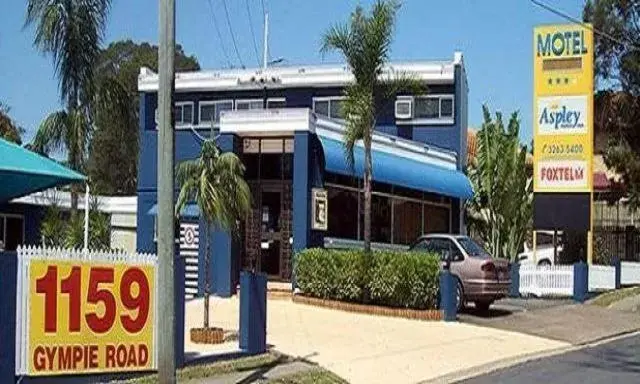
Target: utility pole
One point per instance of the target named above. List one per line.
(166, 226)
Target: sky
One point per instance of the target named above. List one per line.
(495, 37)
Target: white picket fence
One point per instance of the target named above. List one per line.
(630, 273)
(557, 280)
(602, 278)
(554, 280)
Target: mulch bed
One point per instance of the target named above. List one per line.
(415, 314)
(211, 335)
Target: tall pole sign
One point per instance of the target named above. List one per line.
(563, 127)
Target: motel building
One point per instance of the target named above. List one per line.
(286, 124)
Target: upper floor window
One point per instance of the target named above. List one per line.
(437, 109)
(433, 107)
(274, 103)
(329, 106)
(183, 113)
(243, 105)
(210, 111)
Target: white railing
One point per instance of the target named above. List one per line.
(630, 273)
(555, 280)
(602, 278)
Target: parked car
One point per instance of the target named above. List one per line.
(544, 250)
(480, 278)
(544, 256)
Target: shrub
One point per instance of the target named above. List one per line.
(398, 279)
(404, 279)
(331, 274)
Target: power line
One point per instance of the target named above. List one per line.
(215, 24)
(233, 37)
(253, 34)
(585, 25)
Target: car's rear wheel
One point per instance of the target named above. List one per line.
(544, 263)
(459, 296)
(483, 306)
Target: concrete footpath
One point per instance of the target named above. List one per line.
(374, 349)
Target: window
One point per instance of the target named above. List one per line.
(343, 213)
(329, 106)
(407, 221)
(432, 107)
(183, 113)
(11, 232)
(276, 103)
(427, 107)
(472, 248)
(446, 106)
(245, 105)
(443, 247)
(210, 111)
(380, 219)
(436, 219)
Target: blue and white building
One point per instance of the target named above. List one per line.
(286, 125)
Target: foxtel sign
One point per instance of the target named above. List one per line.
(570, 174)
(562, 115)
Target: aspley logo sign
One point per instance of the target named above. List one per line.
(564, 115)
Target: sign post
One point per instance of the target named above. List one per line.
(563, 128)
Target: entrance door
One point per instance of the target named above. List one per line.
(271, 238)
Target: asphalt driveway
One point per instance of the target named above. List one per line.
(560, 320)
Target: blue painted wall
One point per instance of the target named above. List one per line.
(32, 214)
(187, 145)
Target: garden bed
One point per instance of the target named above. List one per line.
(407, 313)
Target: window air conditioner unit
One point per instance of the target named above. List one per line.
(404, 108)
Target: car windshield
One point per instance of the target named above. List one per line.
(472, 248)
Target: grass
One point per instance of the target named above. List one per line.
(608, 298)
(220, 368)
(313, 376)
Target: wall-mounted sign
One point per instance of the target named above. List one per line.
(563, 108)
(79, 315)
(319, 209)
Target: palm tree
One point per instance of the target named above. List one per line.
(500, 213)
(365, 42)
(215, 181)
(71, 31)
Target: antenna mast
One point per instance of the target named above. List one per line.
(265, 45)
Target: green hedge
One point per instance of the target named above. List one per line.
(391, 278)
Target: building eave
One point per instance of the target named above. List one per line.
(309, 76)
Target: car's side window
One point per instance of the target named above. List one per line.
(454, 251)
(421, 246)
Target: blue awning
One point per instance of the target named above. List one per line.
(189, 210)
(23, 172)
(397, 170)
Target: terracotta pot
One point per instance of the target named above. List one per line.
(209, 335)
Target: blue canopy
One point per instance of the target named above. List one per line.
(397, 170)
(23, 172)
(189, 210)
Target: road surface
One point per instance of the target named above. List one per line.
(613, 362)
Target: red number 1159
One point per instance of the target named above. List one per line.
(100, 280)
